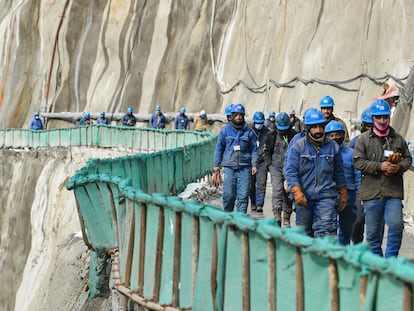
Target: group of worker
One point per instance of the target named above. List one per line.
(336, 186)
(157, 120)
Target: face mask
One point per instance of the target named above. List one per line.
(339, 141)
(258, 126)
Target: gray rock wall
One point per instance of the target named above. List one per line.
(76, 56)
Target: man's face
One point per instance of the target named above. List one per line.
(317, 131)
(327, 112)
(238, 117)
(337, 136)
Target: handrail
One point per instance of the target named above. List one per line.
(264, 266)
(102, 136)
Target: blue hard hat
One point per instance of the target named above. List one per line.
(237, 108)
(158, 108)
(182, 109)
(326, 102)
(380, 108)
(314, 116)
(272, 114)
(334, 126)
(36, 114)
(366, 116)
(87, 115)
(282, 121)
(258, 117)
(102, 113)
(130, 109)
(228, 109)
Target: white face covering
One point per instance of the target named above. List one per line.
(258, 126)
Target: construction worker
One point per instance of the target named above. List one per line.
(270, 122)
(327, 106)
(274, 151)
(295, 123)
(129, 119)
(236, 152)
(36, 123)
(157, 119)
(258, 180)
(86, 120)
(201, 121)
(382, 155)
(102, 119)
(228, 112)
(335, 131)
(314, 174)
(391, 95)
(181, 121)
(359, 224)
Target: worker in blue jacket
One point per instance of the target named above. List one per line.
(36, 123)
(181, 121)
(236, 152)
(315, 176)
(157, 119)
(347, 217)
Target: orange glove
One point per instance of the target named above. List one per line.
(395, 158)
(342, 199)
(217, 180)
(300, 197)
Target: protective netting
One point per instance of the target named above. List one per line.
(189, 255)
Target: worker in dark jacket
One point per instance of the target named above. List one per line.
(382, 155)
(327, 107)
(236, 152)
(295, 123)
(275, 149)
(258, 181)
(129, 119)
(315, 175)
(270, 122)
(181, 121)
(157, 119)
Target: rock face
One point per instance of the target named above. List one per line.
(74, 56)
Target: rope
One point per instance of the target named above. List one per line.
(289, 84)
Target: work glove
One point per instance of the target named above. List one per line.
(394, 158)
(300, 197)
(342, 199)
(217, 180)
